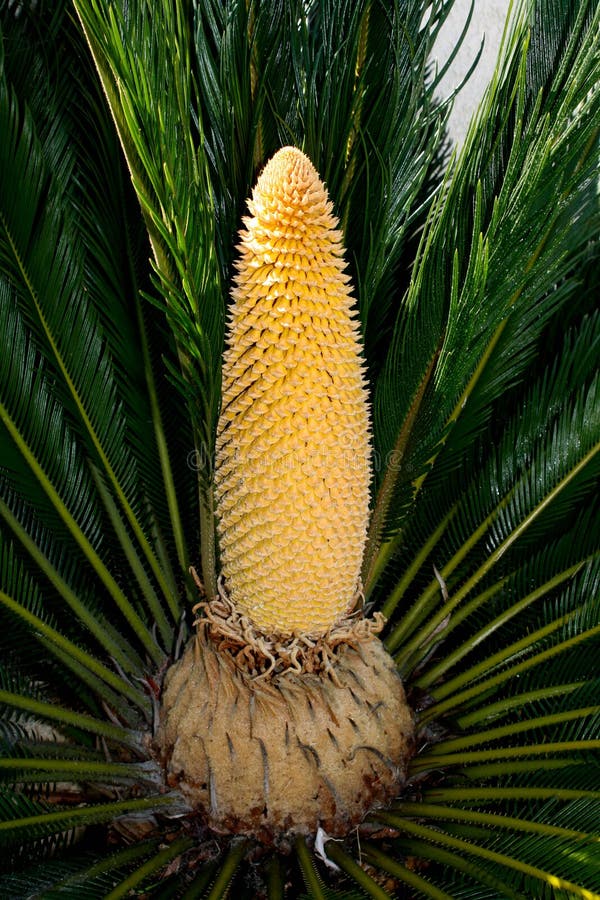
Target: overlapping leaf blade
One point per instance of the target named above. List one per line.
(488, 279)
(485, 422)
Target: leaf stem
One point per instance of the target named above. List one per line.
(420, 639)
(101, 812)
(432, 675)
(84, 544)
(376, 556)
(227, 870)
(431, 762)
(309, 873)
(158, 862)
(74, 651)
(109, 639)
(481, 687)
(54, 713)
(380, 860)
(469, 847)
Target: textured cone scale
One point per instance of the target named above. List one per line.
(286, 756)
(293, 445)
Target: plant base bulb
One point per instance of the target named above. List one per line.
(280, 756)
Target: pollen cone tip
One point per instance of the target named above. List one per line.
(285, 164)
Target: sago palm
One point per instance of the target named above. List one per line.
(298, 454)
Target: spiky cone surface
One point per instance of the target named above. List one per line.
(287, 755)
(293, 444)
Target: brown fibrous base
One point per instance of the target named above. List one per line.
(285, 754)
(265, 656)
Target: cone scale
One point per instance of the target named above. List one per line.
(293, 445)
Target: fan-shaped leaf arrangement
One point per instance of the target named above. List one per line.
(299, 433)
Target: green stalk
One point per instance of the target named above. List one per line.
(114, 98)
(420, 639)
(493, 342)
(429, 597)
(208, 550)
(519, 767)
(380, 860)
(476, 671)
(432, 761)
(109, 639)
(84, 544)
(78, 769)
(427, 850)
(476, 794)
(72, 650)
(375, 556)
(356, 872)
(201, 882)
(104, 693)
(54, 713)
(62, 820)
(494, 734)
(141, 185)
(275, 883)
(400, 589)
(491, 820)
(501, 707)
(112, 863)
(161, 445)
(451, 659)
(87, 422)
(158, 862)
(506, 653)
(134, 561)
(311, 878)
(357, 107)
(227, 870)
(166, 468)
(142, 171)
(554, 882)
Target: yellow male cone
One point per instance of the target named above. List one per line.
(293, 445)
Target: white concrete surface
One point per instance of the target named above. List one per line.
(488, 21)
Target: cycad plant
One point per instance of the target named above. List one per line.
(298, 454)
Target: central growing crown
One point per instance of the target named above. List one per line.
(286, 714)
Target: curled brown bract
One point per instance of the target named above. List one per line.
(263, 656)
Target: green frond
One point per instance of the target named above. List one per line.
(43, 258)
(47, 557)
(68, 877)
(311, 878)
(164, 153)
(487, 280)
(443, 504)
(514, 501)
(41, 820)
(114, 284)
(24, 770)
(315, 885)
(227, 870)
(37, 711)
(23, 600)
(154, 865)
(562, 625)
(132, 133)
(529, 872)
(356, 872)
(470, 880)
